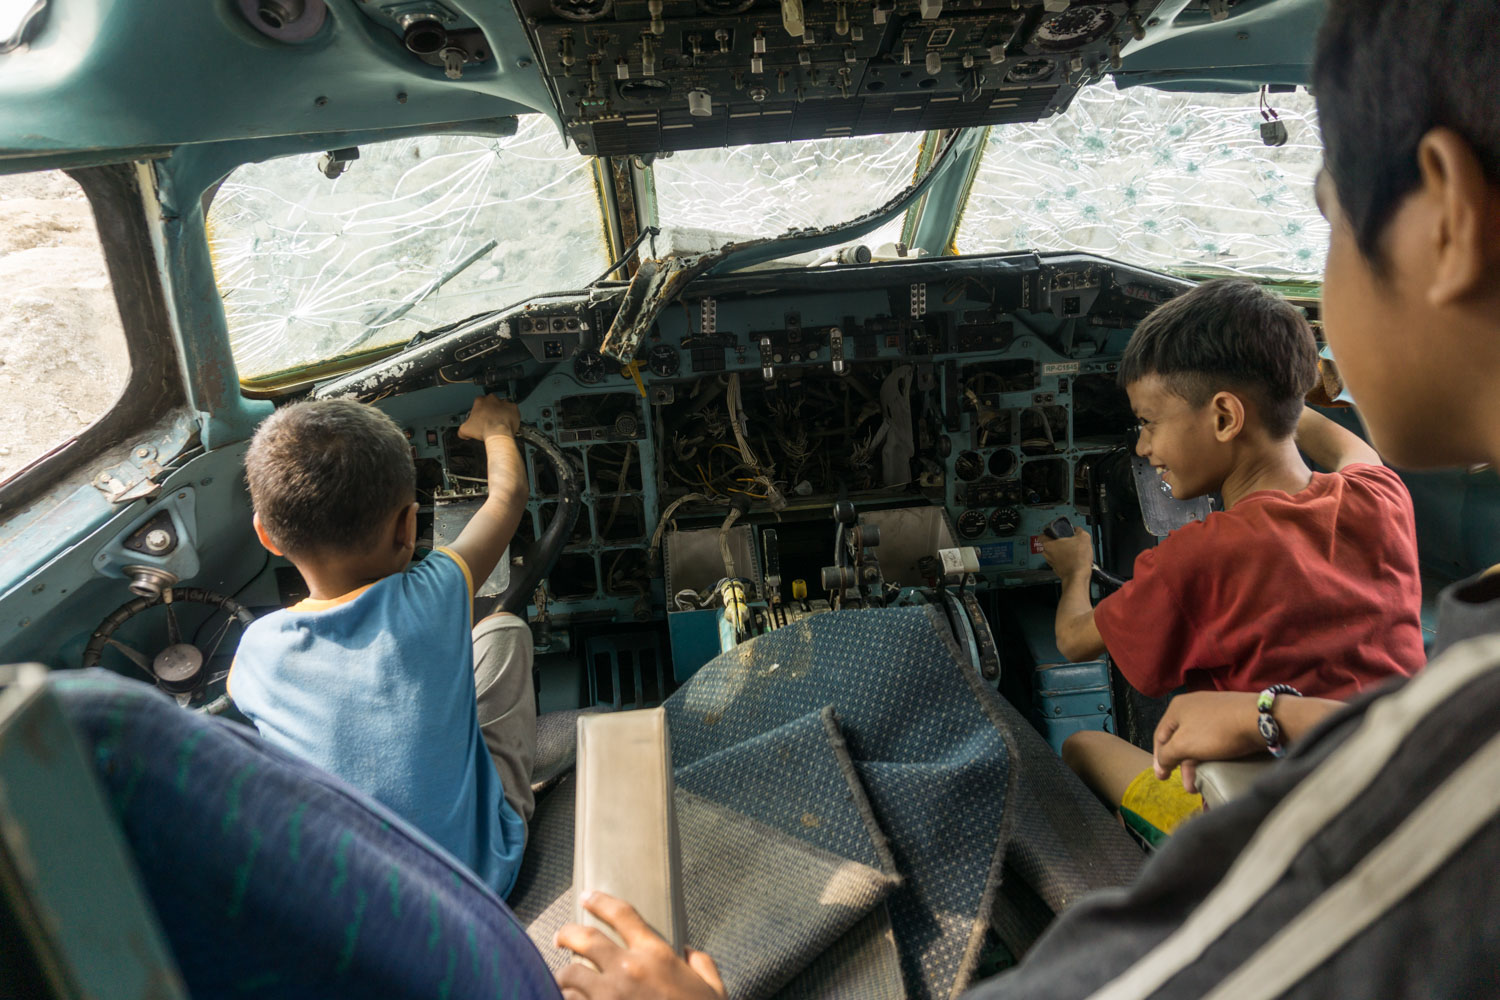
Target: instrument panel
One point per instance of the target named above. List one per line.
(983, 387)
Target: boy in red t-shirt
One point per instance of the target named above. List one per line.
(1307, 579)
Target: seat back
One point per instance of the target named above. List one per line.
(271, 877)
(74, 920)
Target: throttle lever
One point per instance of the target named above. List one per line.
(1063, 528)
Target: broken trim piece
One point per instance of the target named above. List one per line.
(658, 282)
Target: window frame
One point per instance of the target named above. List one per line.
(154, 386)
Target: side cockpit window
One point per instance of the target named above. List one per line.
(64, 361)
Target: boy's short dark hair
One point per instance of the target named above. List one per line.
(1386, 73)
(1229, 334)
(328, 475)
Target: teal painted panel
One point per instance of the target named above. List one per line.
(695, 640)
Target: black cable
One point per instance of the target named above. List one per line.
(236, 595)
(635, 245)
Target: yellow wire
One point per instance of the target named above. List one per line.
(706, 484)
(633, 370)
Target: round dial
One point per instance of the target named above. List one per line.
(581, 10)
(972, 523)
(1074, 28)
(1030, 71)
(1005, 521)
(648, 90)
(589, 367)
(663, 361)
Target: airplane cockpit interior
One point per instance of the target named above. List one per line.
(812, 311)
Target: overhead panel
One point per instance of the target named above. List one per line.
(644, 76)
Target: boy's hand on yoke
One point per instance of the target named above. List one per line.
(645, 969)
(1070, 556)
(491, 416)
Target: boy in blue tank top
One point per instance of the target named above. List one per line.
(380, 677)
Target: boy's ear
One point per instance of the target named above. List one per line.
(1228, 413)
(265, 539)
(406, 527)
(1463, 236)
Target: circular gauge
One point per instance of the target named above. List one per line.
(589, 367)
(1074, 27)
(649, 90)
(1002, 464)
(663, 361)
(968, 466)
(1030, 71)
(972, 523)
(581, 10)
(1005, 521)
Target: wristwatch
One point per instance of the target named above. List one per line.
(1269, 729)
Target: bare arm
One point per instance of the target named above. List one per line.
(1224, 725)
(1330, 445)
(1072, 558)
(482, 543)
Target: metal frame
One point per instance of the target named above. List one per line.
(153, 387)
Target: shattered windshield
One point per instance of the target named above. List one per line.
(1176, 181)
(707, 198)
(416, 234)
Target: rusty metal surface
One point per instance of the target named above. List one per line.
(140, 475)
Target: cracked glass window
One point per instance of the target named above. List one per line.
(416, 234)
(1175, 181)
(709, 197)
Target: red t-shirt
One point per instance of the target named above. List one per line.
(1318, 590)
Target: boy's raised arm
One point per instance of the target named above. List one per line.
(1330, 445)
(482, 543)
(1072, 559)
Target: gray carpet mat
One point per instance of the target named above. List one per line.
(941, 757)
(829, 808)
(864, 964)
(766, 901)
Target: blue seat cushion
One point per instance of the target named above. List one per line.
(272, 878)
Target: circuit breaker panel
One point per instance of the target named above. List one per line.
(642, 76)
